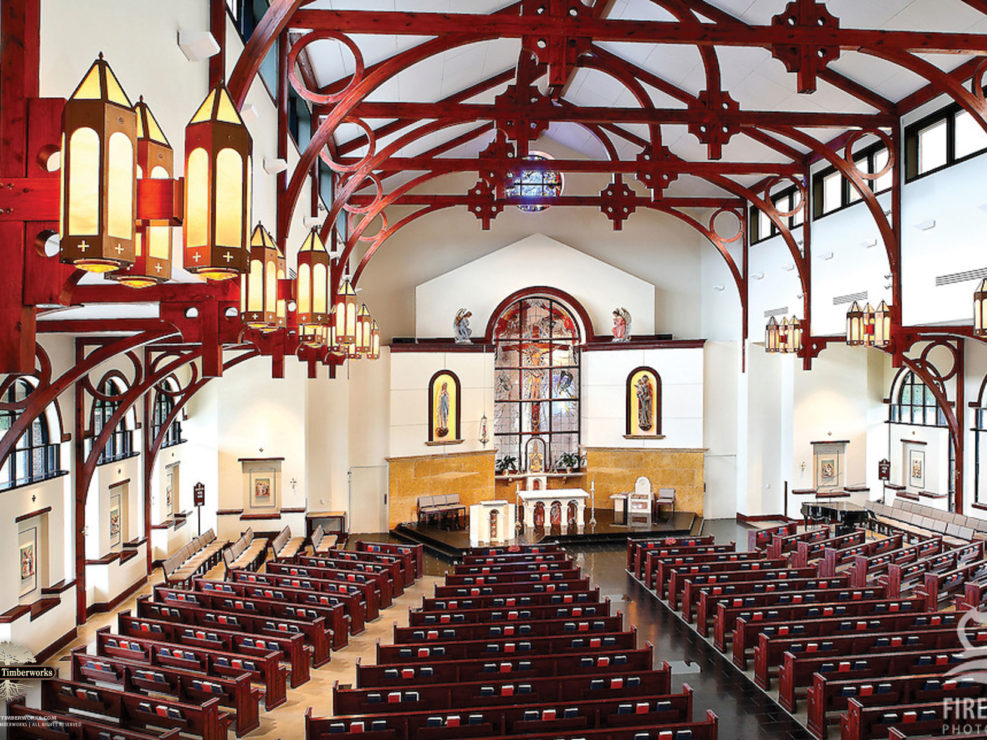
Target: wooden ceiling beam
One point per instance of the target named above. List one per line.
(721, 33)
(604, 114)
(429, 163)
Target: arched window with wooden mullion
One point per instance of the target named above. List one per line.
(37, 454)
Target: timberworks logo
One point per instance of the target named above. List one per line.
(16, 666)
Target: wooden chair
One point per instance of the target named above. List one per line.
(665, 497)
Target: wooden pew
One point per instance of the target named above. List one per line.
(677, 574)
(325, 593)
(807, 552)
(495, 615)
(747, 625)
(517, 666)
(706, 596)
(834, 558)
(552, 718)
(939, 586)
(390, 571)
(770, 653)
(193, 558)
(231, 605)
(876, 566)
(369, 592)
(512, 589)
(413, 556)
(636, 548)
(316, 633)
(754, 608)
(586, 596)
(335, 613)
(650, 558)
(136, 710)
(47, 725)
(759, 539)
(555, 574)
(658, 567)
(191, 687)
(747, 581)
(493, 647)
(829, 694)
(545, 561)
(876, 721)
(903, 578)
(502, 691)
(398, 562)
(284, 546)
(518, 628)
(293, 649)
(867, 665)
(326, 728)
(786, 543)
(263, 669)
(247, 552)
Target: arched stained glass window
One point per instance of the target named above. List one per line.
(536, 393)
(538, 183)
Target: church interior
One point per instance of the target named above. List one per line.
(557, 369)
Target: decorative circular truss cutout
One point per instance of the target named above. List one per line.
(855, 136)
(324, 98)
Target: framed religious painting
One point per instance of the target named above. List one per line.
(444, 409)
(916, 468)
(643, 414)
(27, 552)
(115, 520)
(261, 484)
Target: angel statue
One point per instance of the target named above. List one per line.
(461, 324)
(621, 325)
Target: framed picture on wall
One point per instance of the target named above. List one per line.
(116, 525)
(916, 468)
(28, 560)
(263, 487)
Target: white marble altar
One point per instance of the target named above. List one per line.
(492, 522)
(530, 499)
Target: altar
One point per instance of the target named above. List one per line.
(491, 522)
(553, 507)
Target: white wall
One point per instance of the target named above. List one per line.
(483, 283)
(410, 375)
(604, 394)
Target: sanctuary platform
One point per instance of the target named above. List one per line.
(450, 544)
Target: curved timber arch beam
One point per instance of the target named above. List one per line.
(975, 105)
(45, 394)
(852, 175)
(357, 91)
(275, 20)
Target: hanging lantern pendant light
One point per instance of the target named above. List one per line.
(98, 174)
(217, 189)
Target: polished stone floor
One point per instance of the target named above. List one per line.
(745, 712)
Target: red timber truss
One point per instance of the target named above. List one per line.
(373, 173)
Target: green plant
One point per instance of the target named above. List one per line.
(568, 461)
(507, 462)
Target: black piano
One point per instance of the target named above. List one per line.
(845, 515)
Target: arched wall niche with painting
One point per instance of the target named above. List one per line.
(444, 409)
(643, 415)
